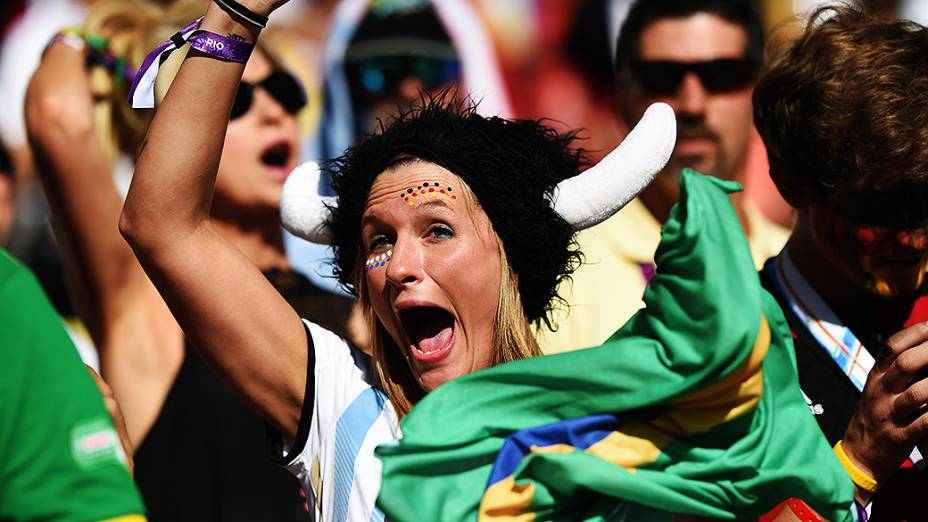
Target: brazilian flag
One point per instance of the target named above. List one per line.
(693, 407)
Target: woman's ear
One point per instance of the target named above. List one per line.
(791, 188)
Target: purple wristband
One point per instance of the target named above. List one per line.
(221, 47)
(142, 90)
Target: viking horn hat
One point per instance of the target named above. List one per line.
(303, 210)
(583, 201)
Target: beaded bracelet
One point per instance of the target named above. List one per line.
(97, 53)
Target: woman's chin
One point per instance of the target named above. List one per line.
(435, 377)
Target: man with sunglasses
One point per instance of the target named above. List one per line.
(701, 57)
(842, 112)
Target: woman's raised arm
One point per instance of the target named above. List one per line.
(139, 343)
(77, 176)
(244, 329)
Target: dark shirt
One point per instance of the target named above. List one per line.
(206, 457)
(834, 401)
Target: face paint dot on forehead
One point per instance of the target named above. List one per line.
(427, 190)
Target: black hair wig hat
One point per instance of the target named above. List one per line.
(523, 174)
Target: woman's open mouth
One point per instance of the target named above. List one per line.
(430, 331)
(276, 160)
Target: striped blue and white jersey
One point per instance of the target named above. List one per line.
(347, 417)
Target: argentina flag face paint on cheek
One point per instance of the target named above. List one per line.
(378, 260)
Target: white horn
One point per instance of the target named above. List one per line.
(600, 191)
(303, 211)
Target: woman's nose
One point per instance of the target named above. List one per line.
(269, 109)
(405, 265)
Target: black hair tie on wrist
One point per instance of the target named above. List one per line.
(241, 12)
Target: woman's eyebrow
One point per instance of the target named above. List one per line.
(371, 218)
(441, 205)
(438, 203)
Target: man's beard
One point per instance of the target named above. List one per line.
(691, 128)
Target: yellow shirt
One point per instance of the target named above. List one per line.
(618, 260)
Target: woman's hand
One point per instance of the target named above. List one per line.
(112, 407)
(893, 415)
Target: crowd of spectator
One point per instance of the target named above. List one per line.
(457, 259)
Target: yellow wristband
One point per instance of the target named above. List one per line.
(864, 481)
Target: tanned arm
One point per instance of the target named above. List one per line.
(140, 344)
(241, 326)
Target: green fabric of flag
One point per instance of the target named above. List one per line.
(692, 407)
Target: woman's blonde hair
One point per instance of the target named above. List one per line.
(513, 338)
(130, 28)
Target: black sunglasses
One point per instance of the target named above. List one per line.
(281, 85)
(663, 78)
(901, 208)
(381, 74)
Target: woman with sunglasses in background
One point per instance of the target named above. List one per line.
(201, 454)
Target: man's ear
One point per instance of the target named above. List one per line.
(793, 191)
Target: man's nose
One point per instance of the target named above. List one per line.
(691, 96)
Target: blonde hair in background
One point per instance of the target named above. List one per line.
(131, 28)
(513, 339)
